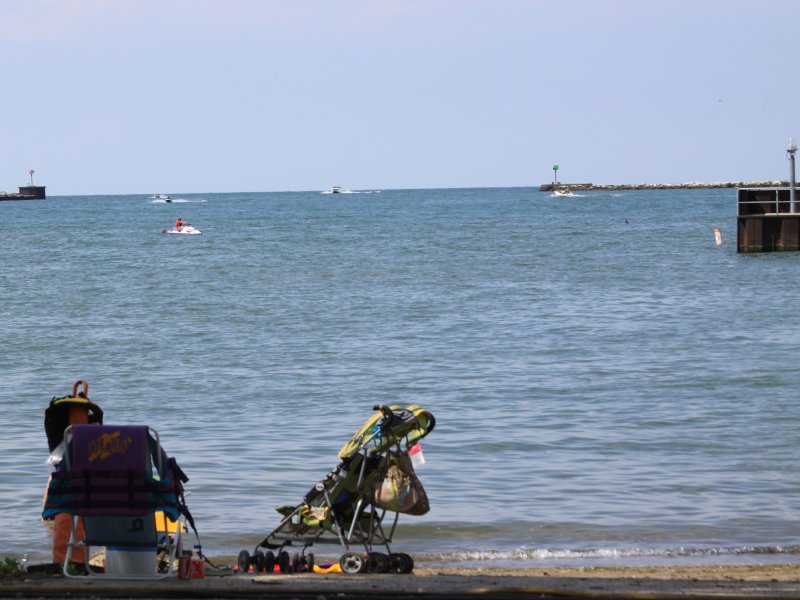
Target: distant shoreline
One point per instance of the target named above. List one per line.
(692, 185)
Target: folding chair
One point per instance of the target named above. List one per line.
(117, 478)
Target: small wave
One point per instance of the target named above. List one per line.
(626, 555)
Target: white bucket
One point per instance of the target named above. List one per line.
(130, 561)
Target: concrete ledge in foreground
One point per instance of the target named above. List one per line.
(768, 582)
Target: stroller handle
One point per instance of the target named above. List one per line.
(387, 412)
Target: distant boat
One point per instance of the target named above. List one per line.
(564, 192)
(337, 189)
(163, 197)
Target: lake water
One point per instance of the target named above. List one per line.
(609, 385)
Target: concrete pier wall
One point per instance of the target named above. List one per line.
(28, 192)
(764, 222)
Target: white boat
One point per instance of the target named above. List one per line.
(163, 197)
(185, 230)
(337, 189)
(564, 192)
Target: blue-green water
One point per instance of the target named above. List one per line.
(604, 390)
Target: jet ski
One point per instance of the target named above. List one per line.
(185, 230)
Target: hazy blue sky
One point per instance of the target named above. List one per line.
(142, 96)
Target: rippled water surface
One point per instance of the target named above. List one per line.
(609, 385)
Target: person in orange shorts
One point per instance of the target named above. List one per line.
(178, 224)
(68, 410)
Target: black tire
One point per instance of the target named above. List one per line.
(377, 562)
(310, 562)
(269, 562)
(284, 562)
(352, 563)
(244, 561)
(396, 562)
(409, 563)
(400, 562)
(296, 562)
(258, 562)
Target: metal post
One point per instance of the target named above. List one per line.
(790, 152)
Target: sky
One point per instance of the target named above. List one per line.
(171, 96)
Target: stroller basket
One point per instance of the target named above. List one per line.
(349, 506)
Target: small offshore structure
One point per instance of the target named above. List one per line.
(767, 217)
(26, 192)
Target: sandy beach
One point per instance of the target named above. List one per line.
(711, 581)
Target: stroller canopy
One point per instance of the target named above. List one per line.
(389, 426)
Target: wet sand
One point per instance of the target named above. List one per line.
(711, 581)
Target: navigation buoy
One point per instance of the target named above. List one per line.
(717, 236)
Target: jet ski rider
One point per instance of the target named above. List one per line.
(178, 224)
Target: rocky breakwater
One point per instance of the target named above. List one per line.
(691, 185)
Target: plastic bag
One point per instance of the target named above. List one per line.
(55, 458)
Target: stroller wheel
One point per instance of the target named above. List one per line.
(244, 561)
(269, 562)
(296, 562)
(284, 562)
(352, 563)
(401, 562)
(377, 562)
(258, 562)
(310, 562)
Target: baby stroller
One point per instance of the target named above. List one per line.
(349, 505)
